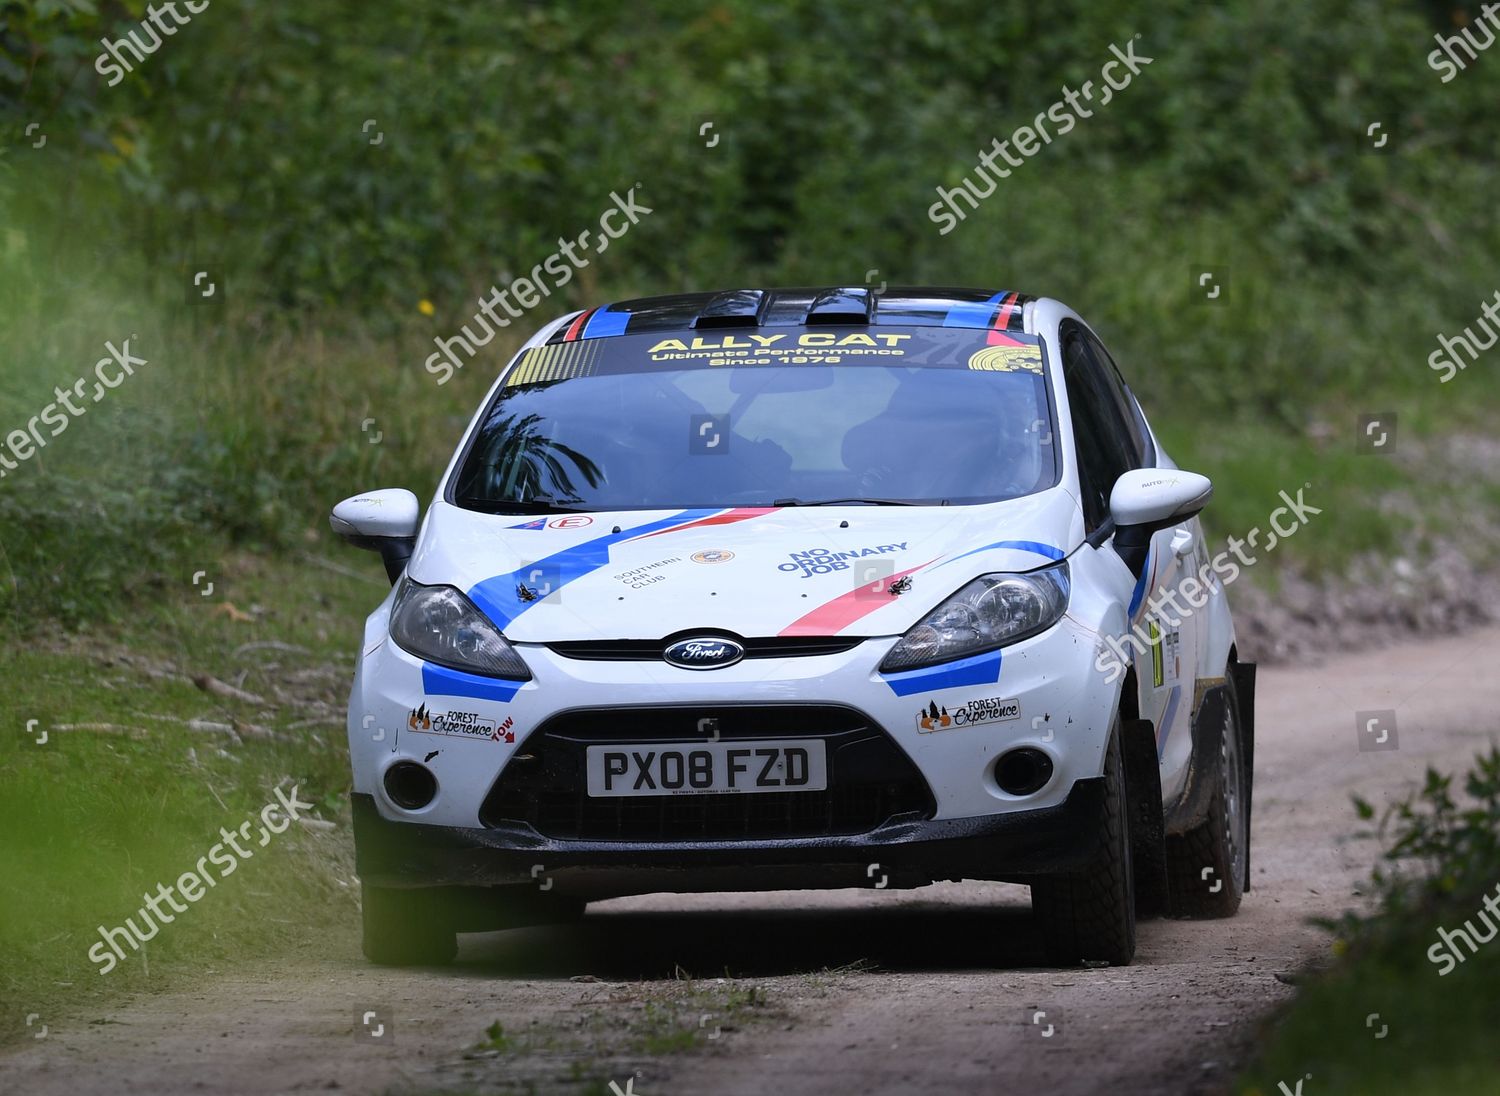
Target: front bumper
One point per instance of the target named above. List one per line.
(1043, 693)
(1012, 846)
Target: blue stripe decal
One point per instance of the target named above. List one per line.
(441, 681)
(498, 599)
(1018, 545)
(973, 315)
(1140, 587)
(604, 323)
(976, 670)
(1166, 719)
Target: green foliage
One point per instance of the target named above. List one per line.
(1445, 851)
(503, 126)
(495, 1039)
(60, 552)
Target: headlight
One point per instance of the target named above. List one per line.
(989, 612)
(441, 625)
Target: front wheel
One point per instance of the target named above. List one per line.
(406, 928)
(1091, 914)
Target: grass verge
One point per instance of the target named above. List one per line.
(122, 766)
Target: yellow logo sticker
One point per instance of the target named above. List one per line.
(1158, 667)
(1007, 359)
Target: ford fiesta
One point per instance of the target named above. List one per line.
(800, 588)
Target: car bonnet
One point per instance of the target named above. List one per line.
(753, 572)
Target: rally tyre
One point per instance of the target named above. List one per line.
(1207, 865)
(406, 928)
(1091, 915)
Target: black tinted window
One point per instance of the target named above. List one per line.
(1101, 426)
(1130, 412)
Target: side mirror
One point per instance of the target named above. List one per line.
(1146, 500)
(382, 521)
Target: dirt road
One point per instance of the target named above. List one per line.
(930, 991)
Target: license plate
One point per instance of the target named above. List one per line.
(708, 768)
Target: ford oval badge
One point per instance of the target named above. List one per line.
(704, 653)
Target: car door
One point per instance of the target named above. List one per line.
(1112, 438)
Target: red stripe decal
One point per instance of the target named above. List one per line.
(728, 517)
(997, 336)
(834, 616)
(1002, 314)
(577, 325)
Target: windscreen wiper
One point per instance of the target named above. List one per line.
(856, 502)
(538, 504)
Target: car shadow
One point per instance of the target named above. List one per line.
(643, 945)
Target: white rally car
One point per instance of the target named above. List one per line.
(800, 588)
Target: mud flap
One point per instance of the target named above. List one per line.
(1148, 848)
(1243, 676)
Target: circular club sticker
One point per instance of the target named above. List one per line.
(713, 555)
(578, 521)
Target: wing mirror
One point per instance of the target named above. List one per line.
(1146, 500)
(382, 521)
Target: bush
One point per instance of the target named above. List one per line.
(1444, 855)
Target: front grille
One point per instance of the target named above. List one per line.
(545, 786)
(646, 650)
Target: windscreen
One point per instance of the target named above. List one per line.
(795, 416)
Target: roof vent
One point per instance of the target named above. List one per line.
(842, 306)
(736, 308)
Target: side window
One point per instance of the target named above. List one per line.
(1135, 422)
(1101, 428)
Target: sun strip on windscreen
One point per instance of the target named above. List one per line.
(995, 350)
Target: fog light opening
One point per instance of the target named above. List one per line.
(410, 786)
(1023, 772)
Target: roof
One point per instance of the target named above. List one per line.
(804, 307)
